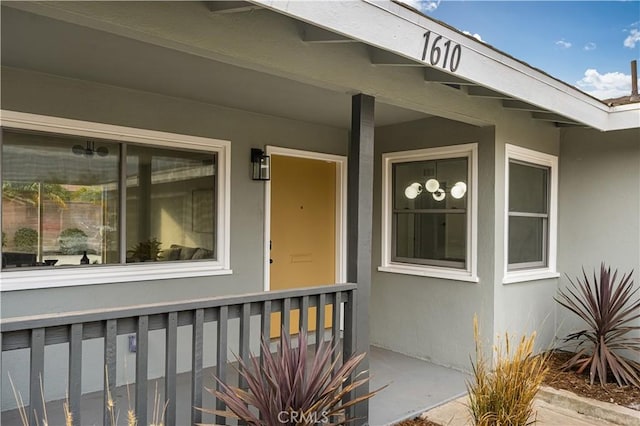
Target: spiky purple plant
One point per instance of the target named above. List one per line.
(287, 388)
(609, 309)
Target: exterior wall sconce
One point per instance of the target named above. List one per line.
(261, 165)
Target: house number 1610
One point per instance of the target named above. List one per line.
(442, 54)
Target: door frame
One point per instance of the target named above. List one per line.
(341, 209)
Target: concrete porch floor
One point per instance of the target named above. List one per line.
(414, 386)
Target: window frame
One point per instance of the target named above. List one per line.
(547, 267)
(469, 273)
(51, 277)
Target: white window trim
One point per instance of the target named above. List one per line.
(513, 152)
(64, 277)
(470, 274)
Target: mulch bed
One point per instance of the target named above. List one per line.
(627, 396)
(577, 383)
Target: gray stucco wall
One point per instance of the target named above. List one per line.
(48, 95)
(432, 318)
(599, 207)
(38, 93)
(524, 307)
(435, 315)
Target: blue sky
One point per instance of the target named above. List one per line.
(588, 44)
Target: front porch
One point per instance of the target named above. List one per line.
(236, 322)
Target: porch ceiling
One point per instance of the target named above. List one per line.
(42, 44)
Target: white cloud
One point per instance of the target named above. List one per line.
(423, 5)
(605, 86)
(474, 35)
(632, 38)
(563, 44)
(590, 46)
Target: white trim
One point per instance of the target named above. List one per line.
(513, 152)
(469, 274)
(62, 277)
(341, 209)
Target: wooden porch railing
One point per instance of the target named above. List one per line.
(74, 328)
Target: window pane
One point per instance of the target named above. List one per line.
(59, 200)
(527, 239)
(170, 204)
(431, 238)
(528, 188)
(443, 174)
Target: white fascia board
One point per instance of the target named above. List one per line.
(391, 27)
(624, 117)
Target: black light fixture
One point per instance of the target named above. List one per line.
(90, 150)
(261, 165)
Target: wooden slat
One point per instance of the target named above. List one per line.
(75, 371)
(110, 334)
(221, 358)
(285, 316)
(171, 359)
(265, 326)
(196, 365)
(245, 335)
(335, 326)
(320, 311)
(36, 407)
(349, 344)
(142, 359)
(304, 314)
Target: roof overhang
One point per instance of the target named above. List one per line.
(397, 36)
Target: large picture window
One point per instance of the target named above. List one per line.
(71, 202)
(530, 217)
(429, 212)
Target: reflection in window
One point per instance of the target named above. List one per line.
(430, 212)
(170, 204)
(528, 215)
(62, 202)
(58, 203)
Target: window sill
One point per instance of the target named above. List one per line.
(531, 275)
(74, 276)
(444, 273)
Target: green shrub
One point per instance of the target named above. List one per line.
(26, 240)
(73, 241)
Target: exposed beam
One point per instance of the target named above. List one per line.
(557, 118)
(384, 57)
(313, 34)
(483, 92)
(521, 106)
(436, 76)
(231, 6)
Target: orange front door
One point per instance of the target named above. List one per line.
(303, 229)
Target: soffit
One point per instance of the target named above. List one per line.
(47, 45)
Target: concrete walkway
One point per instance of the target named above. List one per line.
(552, 408)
